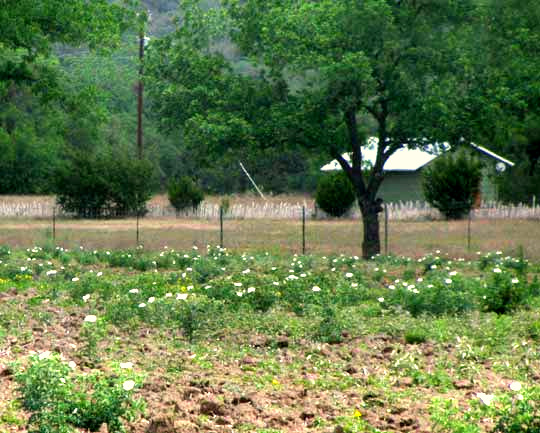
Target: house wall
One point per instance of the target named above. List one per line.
(487, 185)
(407, 186)
(401, 186)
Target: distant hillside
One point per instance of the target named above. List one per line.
(163, 13)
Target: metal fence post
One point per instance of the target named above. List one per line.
(54, 225)
(469, 231)
(138, 228)
(303, 230)
(221, 226)
(385, 229)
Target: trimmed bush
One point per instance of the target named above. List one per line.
(451, 182)
(335, 194)
(94, 185)
(184, 193)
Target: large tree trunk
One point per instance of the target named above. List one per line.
(371, 244)
(370, 206)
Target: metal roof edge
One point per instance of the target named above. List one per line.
(492, 154)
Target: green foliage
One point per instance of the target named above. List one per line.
(5, 251)
(195, 310)
(60, 399)
(415, 336)
(184, 193)
(30, 138)
(193, 315)
(512, 411)
(451, 182)
(519, 184)
(98, 184)
(446, 417)
(520, 414)
(503, 292)
(335, 194)
(91, 334)
(436, 295)
(30, 31)
(533, 330)
(316, 71)
(330, 327)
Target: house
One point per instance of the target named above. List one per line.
(403, 170)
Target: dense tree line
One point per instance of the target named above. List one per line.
(69, 90)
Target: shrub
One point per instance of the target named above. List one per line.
(415, 336)
(93, 185)
(60, 399)
(519, 414)
(503, 292)
(184, 193)
(335, 194)
(436, 295)
(451, 182)
(330, 327)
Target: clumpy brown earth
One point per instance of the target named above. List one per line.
(253, 382)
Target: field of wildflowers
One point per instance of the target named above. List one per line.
(212, 340)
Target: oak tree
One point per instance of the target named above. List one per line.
(332, 68)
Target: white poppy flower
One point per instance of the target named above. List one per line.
(128, 385)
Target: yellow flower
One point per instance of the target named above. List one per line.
(357, 413)
(275, 382)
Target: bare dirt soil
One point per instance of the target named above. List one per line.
(248, 383)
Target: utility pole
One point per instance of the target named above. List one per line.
(140, 97)
(144, 19)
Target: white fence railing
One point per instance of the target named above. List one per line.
(44, 207)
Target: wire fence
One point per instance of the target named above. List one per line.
(410, 229)
(399, 211)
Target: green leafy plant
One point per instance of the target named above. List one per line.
(184, 193)
(415, 336)
(92, 332)
(513, 411)
(5, 251)
(451, 182)
(436, 295)
(335, 194)
(60, 399)
(533, 330)
(447, 417)
(330, 327)
(503, 292)
(519, 412)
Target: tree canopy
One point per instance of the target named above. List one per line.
(30, 29)
(334, 70)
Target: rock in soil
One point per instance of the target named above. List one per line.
(161, 424)
(209, 407)
(190, 392)
(282, 341)
(166, 424)
(5, 371)
(463, 384)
